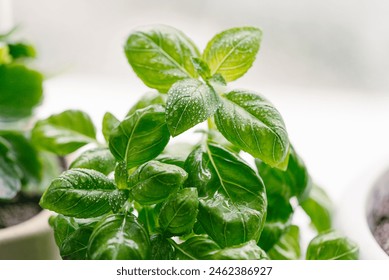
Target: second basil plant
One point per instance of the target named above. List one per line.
(135, 198)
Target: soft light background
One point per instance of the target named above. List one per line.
(324, 64)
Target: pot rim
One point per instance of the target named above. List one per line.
(354, 204)
(35, 225)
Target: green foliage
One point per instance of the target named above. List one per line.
(232, 52)
(20, 91)
(23, 167)
(288, 246)
(319, 208)
(82, 193)
(99, 159)
(331, 245)
(189, 102)
(160, 56)
(178, 215)
(64, 133)
(232, 199)
(119, 237)
(184, 201)
(154, 181)
(140, 137)
(252, 123)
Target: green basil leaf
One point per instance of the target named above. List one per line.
(251, 123)
(233, 51)
(121, 175)
(332, 245)
(63, 226)
(21, 50)
(25, 155)
(288, 246)
(178, 214)
(161, 249)
(5, 57)
(245, 251)
(294, 181)
(52, 167)
(10, 174)
(198, 228)
(319, 208)
(118, 199)
(201, 68)
(140, 137)
(154, 181)
(218, 82)
(110, 122)
(232, 197)
(119, 237)
(64, 133)
(148, 217)
(149, 98)
(20, 91)
(189, 102)
(99, 159)
(75, 246)
(195, 248)
(81, 193)
(180, 162)
(160, 56)
(279, 215)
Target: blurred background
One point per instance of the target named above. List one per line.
(324, 64)
(306, 43)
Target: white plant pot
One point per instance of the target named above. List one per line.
(30, 240)
(354, 213)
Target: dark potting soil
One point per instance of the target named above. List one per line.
(18, 210)
(381, 234)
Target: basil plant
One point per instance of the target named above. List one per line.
(133, 197)
(24, 168)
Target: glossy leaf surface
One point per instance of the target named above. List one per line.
(148, 217)
(119, 237)
(319, 208)
(201, 68)
(75, 246)
(154, 181)
(332, 246)
(99, 159)
(232, 52)
(110, 122)
(81, 193)
(189, 102)
(140, 137)
(161, 249)
(245, 251)
(252, 123)
(288, 246)
(232, 197)
(196, 248)
(160, 56)
(294, 181)
(178, 215)
(63, 226)
(279, 215)
(65, 132)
